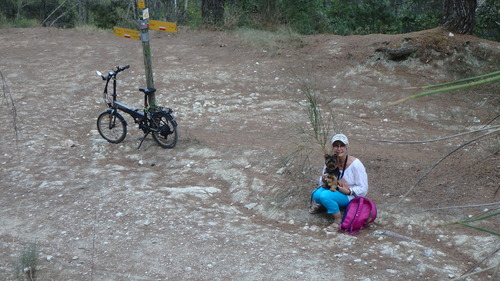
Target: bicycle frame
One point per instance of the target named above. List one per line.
(116, 105)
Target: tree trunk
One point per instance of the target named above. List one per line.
(212, 11)
(83, 11)
(459, 16)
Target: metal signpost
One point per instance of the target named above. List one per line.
(144, 25)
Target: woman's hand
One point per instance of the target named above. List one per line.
(344, 190)
(343, 187)
(343, 183)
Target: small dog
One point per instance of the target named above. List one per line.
(332, 169)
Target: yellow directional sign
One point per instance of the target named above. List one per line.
(141, 4)
(163, 26)
(127, 33)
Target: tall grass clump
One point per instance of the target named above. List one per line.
(268, 40)
(321, 124)
(303, 148)
(90, 29)
(26, 266)
(19, 23)
(312, 137)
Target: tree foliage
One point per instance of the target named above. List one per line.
(304, 16)
(212, 11)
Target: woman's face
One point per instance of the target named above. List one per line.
(339, 148)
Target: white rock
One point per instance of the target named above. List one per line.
(427, 252)
(250, 206)
(314, 228)
(69, 143)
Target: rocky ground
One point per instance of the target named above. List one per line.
(230, 201)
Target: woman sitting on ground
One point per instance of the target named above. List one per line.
(352, 182)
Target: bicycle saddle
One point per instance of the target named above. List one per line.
(147, 90)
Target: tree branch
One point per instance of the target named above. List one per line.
(8, 98)
(53, 13)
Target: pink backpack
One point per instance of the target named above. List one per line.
(358, 214)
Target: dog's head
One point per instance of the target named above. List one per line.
(331, 163)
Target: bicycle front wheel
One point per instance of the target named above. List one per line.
(165, 130)
(112, 126)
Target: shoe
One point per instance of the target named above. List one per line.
(332, 227)
(316, 208)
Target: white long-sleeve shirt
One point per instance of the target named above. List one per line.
(355, 175)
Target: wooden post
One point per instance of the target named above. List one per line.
(144, 26)
(143, 35)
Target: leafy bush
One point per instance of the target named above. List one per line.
(356, 17)
(192, 15)
(21, 22)
(305, 16)
(381, 16)
(26, 23)
(487, 20)
(109, 13)
(412, 16)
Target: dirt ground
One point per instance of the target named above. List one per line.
(230, 201)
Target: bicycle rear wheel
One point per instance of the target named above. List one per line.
(165, 130)
(112, 126)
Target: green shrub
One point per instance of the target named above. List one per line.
(361, 17)
(22, 22)
(487, 20)
(383, 16)
(109, 13)
(191, 16)
(305, 16)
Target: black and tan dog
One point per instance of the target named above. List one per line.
(332, 170)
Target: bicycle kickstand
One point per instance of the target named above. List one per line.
(145, 135)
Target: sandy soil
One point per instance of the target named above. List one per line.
(230, 201)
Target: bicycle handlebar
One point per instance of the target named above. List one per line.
(113, 73)
(118, 69)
